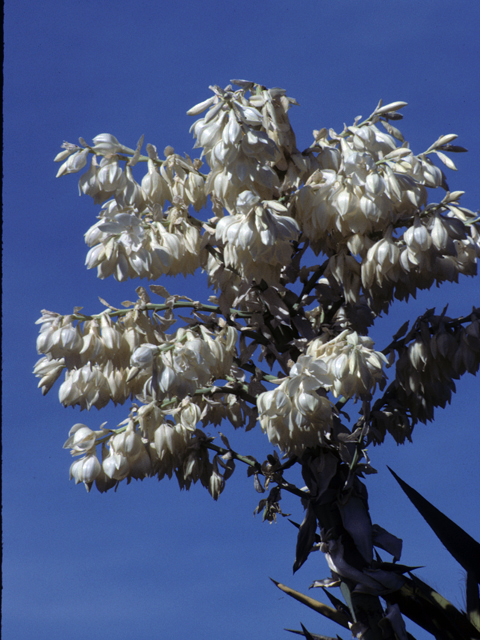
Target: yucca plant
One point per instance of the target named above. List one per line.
(304, 252)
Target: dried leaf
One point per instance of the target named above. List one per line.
(227, 464)
(224, 440)
(106, 304)
(142, 294)
(387, 541)
(158, 290)
(134, 159)
(258, 485)
(325, 583)
(402, 331)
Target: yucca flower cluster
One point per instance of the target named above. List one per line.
(180, 366)
(244, 140)
(257, 239)
(427, 368)
(359, 197)
(356, 205)
(137, 235)
(354, 366)
(113, 361)
(149, 445)
(305, 250)
(297, 414)
(127, 246)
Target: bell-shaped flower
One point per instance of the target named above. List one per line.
(356, 368)
(81, 439)
(116, 466)
(110, 175)
(48, 370)
(107, 145)
(85, 470)
(127, 443)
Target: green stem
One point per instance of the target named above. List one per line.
(163, 307)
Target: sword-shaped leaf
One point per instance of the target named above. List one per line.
(464, 548)
(431, 611)
(319, 607)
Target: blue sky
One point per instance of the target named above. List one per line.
(150, 561)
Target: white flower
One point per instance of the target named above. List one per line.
(351, 361)
(154, 187)
(115, 465)
(258, 241)
(86, 387)
(143, 356)
(128, 228)
(190, 416)
(85, 470)
(312, 369)
(294, 416)
(171, 442)
(75, 163)
(382, 262)
(81, 439)
(110, 175)
(127, 443)
(107, 145)
(48, 370)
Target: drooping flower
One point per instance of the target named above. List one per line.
(257, 240)
(354, 366)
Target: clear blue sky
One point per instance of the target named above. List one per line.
(149, 561)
